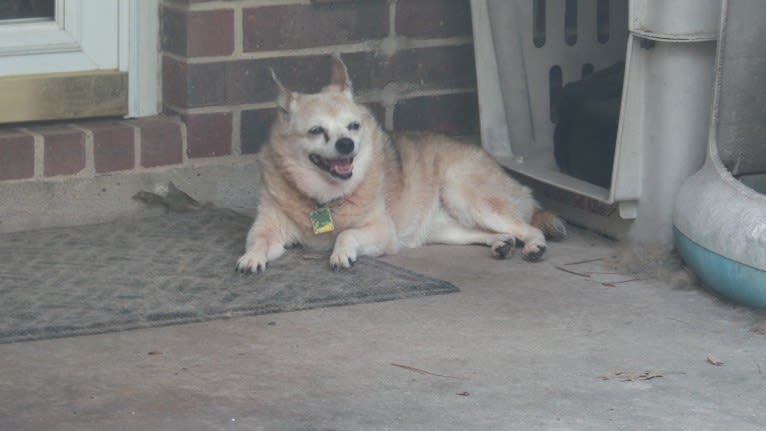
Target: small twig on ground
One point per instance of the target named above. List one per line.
(615, 283)
(573, 272)
(423, 372)
(584, 261)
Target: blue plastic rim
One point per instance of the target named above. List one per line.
(731, 279)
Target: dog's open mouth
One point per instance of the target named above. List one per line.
(339, 168)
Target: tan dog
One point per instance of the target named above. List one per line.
(327, 157)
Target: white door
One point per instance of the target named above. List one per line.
(83, 57)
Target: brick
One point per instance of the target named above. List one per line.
(438, 67)
(113, 145)
(174, 82)
(199, 33)
(17, 156)
(173, 31)
(208, 135)
(249, 81)
(453, 114)
(64, 150)
(160, 142)
(254, 129)
(193, 85)
(445, 18)
(304, 26)
(210, 33)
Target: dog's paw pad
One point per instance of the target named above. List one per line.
(503, 248)
(533, 252)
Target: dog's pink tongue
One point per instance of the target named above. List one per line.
(341, 166)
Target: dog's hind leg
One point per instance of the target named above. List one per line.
(501, 244)
(497, 205)
(446, 230)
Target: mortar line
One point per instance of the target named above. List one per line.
(39, 153)
(90, 152)
(239, 31)
(136, 145)
(236, 132)
(228, 4)
(366, 46)
(364, 97)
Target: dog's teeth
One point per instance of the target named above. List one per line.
(341, 166)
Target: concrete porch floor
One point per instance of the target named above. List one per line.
(521, 347)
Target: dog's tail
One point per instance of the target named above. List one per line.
(551, 225)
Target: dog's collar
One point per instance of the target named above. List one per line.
(327, 204)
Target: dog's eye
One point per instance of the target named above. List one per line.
(354, 125)
(316, 130)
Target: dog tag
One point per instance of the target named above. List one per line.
(321, 220)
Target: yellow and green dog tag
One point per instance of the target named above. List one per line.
(321, 220)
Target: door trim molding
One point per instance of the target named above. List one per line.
(142, 21)
(88, 94)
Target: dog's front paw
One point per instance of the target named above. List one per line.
(342, 259)
(252, 262)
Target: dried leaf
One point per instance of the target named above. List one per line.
(154, 353)
(713, 361)
(631, 376)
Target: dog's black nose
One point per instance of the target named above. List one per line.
(344, 145)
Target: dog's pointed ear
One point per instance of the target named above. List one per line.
(339, 74)
(284, 96)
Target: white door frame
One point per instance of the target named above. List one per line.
(87, 36)
(142, 56)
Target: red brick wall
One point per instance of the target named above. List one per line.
(411, 61)
(87, 148)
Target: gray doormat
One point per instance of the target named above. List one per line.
(167, 270)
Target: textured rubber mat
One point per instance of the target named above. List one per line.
(166, 270)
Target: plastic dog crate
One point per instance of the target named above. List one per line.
(528, 50)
